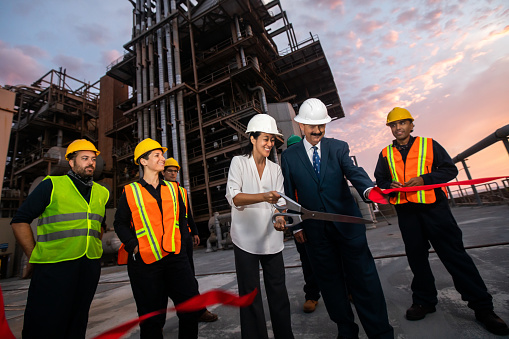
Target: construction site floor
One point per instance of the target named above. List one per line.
(485, 234)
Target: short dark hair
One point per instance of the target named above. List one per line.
(248, 150)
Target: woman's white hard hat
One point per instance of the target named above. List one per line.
(313, 112)
(262, 123)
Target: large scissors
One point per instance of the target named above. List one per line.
(298, 214)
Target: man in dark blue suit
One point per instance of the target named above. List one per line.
(315, 170)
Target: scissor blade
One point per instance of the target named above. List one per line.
(334, 217)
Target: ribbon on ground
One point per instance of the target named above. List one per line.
(194, 304)
(379, 195)
(5, 331)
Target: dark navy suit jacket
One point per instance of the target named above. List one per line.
(330, 193)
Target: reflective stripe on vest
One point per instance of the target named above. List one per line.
(158, 234)
(183, 192)
(69, 227)
(418, 162)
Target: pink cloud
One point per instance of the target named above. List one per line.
(390, 60)
(370, 26)
(17, 66)
(437, 70)
(407, 16)
(390, 39)
(95, 34)
(109, 56)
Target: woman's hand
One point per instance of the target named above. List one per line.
(271, 197)
(280, 224)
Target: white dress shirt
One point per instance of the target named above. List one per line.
(252, 228)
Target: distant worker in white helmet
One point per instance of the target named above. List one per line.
(425, 219)
(251, 190)
(170, 173)
(315, 170)
(65, 257)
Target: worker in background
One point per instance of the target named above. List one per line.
(425, 218)
(311, 289)
(151, 223)
(65, 258)
(171, 171)
(314, 169)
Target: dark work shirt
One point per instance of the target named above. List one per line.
(123, 216)
(442, 170)
(190, 219)
(39, 199)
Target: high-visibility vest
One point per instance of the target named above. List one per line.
(157, 234)
(183, 192)
(69, 227)
(418, 162)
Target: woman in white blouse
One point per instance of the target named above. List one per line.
(253, 183)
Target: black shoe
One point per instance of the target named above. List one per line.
(492, 322)
(418, 312)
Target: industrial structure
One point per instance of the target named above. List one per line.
(48, 115)
(198, 71)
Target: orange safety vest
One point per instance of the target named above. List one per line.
(183, 192)
(418, 162)
(157, 234)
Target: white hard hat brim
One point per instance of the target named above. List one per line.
(312, 122)
(279, 134)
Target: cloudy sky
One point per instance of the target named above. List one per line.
(446, 61)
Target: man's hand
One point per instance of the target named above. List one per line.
(396, 184)
(300, 236)
(136, 249)
(27, 271)
(280, 224)
(416, 181)
(196, 240)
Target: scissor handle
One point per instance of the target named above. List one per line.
(290, 204)
(294, 217)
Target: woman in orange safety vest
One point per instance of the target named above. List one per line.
(151, 223)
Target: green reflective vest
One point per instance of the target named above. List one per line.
(69, 227)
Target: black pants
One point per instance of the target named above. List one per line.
(59, 299)
(422, 224)
(343, 265)
(252, 318)
(311, 289)
(152, 284)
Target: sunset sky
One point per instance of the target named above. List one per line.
(447, 62)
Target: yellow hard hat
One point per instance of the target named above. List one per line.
(398, 113)
(146, 145)
(171, 162)
(80, 145)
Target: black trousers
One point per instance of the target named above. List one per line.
(343, 265)
(252, 318)
(59, 299)
(311, 289)
(425, 224)
(152, 284)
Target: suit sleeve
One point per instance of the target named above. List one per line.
(356, 175)
(382, 173)
(287, 183)
(443, 169)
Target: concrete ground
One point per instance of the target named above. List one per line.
(486, 229)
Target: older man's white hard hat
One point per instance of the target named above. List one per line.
(313, 112)
(262, 123)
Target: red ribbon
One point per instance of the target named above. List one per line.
(196, 303)
(5, 331)
(379, 195)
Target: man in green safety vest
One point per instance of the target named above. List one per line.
(64, 258)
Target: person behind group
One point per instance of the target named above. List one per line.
(253, 183)
(170, 173)
(311, 289)
(424, 218)
(314, 170)
(65, 258)
(151, 223)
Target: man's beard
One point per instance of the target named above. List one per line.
(81, 171)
